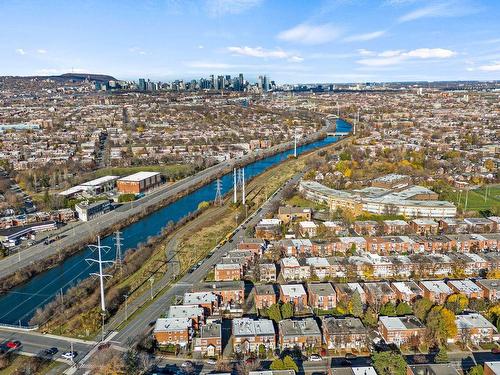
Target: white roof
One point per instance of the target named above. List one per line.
(437, 286)
(363, 371)
(185, 311)
(317, 262)
(227, 266)
(424, 221)
(356, 287)
(473, 321)
(465, 286)
(392, 322)
(139, 176)
(172, 324)
(359, 240)
(293, 290)
(250, 327)
(270, 222)
(197, 298)
(100, 180)
(494, 366)
(72, 190)
(308, 224)
(290, 262)
(402, 287)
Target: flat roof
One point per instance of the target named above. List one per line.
(172, 324)
(139, 176)
(100, 180)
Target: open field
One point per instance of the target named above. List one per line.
(21, 364)
(476, 198)
(299, 201)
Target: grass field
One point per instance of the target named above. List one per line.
(476, 198)
(299, 201)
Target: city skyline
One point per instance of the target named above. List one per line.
(320, 41)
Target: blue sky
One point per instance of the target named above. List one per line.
(290, 40)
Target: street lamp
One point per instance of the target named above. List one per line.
(151, 281)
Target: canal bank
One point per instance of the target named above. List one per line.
(20, 303)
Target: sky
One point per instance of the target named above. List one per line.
(292, 41)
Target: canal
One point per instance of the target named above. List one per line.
(19, 304)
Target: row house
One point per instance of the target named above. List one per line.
(250, 334)
(302, 334)
(228, 272)
(255, 245)
(296, 247)
(287, 214)
(294, 293)
(292, 269)
(491, 289)
(345, 333)
(452, 225)
(436, 290)
(480, 225)
(195, 313)
(308, 229)
(475, 328)
(209, 341)
(407, 291)
(173, 331)
(208, 300)
(321, 296)
(230, 294)
(269, 229)
(378, 294)
(395, 227)
(400, 330)
(336, 228)
(424, 226)
(366, 228)
(345, 292)
(320, 267)
(267, 272)
(466, 287)
(264, 296)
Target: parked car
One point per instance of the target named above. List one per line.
(51, 351)
(69, 355)
(13, 344)
(211, 361)
(187, 364)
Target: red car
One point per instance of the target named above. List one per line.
(13, 344)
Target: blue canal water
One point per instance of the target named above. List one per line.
(20, 304)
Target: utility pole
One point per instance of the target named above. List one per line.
(218, 193)
(466, 199)
(243, 198)
(295, 143)
(151, 281)
(235, 187)
(118, 245)
(126, 305)
(101, 276)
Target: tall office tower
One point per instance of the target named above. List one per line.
(227, 81)
(220, 83)
(142, 84)
(240, 82)
(265, 84)
(213, 83)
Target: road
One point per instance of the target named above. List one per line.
(88, 231)
(140, 323)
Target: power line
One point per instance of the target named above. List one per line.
(118, 246)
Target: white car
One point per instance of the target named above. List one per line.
(69, 355)
(211, 361)
(315, 358)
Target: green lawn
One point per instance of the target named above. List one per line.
(299, 201)
(476, 198)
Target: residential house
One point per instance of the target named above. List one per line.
(308, 229)
(475, 328)
(209, 342)
(336, 228)
(436, 290)
(466, 287)
(379, 293)
(291, 269)
(256, 245)
(424, 227)
(265, 296)
(195, 313)
(173, 331)
(395, 227)
(287, 214)
(407, 291)
(269, 229)
(267, 272)
(345, 333)
(400, 330)
(319, 267)
(231, 293)
(294, 293)
(302, 334)
(492, 368)
(249, 334)
(433, 369)
(228, 272)
(450, 225)
(366, 228)
(346, 290)
(321, 296)
(480, 225)
(208, 300)
(491, 289)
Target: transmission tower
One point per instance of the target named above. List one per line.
(295, 143)
(235, 187)
(118, 246)
(99, 248)
(218, 192)
(243, 197)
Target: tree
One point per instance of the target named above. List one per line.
(403, 309)
(356, 305)
(422, 307)
(370, 318)
(289, 364)
(389, 363)
(277, 364)
(274, 312)
(441, 324)
(457, 303)
(203, 205)
(476, 370)
(388, 309)
(441, 356)
(287, 310)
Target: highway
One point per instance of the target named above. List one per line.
(88, 231)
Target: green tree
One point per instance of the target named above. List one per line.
(403, 309)
(441, 324)
(370, 318)
(274, 312)
(388, 309)
(277, 364)
(476, 370)
(457, 303)
(389, 363)
(262, 351)
(441, 356)
(356, 305)
(289, 364)
(203, 205)
(286, 310)
(422, 307)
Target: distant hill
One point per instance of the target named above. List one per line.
(82, 77)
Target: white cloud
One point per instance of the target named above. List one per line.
(365, 52)
(137, 51)
(365, 37)
(218, 8)
(41, 51)
(495, 67)
(453, 8)
(20, 51)
(265, 53)
(310, 34)
(394, 57)
(201, 46)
